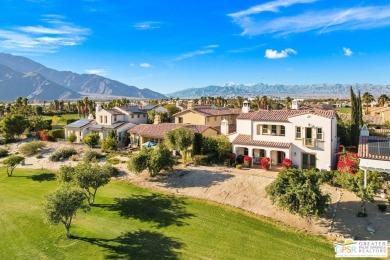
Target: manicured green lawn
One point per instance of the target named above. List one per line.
(133, 223)
(345, 110)
(63, 118)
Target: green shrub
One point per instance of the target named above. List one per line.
(57, 133)
(382, 207)
(72, 138)
(111, 170)
(199, 159)
(91, 139)
(212, 158)
(227, 163)
(32, 148)
(3, 152)
(48, 123)
(39, 156)
(239, 166)
(108, 144)
(61, 154)
(91, 156)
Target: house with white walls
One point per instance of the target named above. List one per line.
(306, 136)
(120, 119)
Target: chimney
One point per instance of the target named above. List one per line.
(245, 107)
(224, 127)
(295, 104)
(190, 104)
(90, 116)
(98, 107)
(157, 119)
(364, 131)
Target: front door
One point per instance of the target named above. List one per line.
(308, 161)
(281, 156)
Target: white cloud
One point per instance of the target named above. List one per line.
(347, 51)
(322, 21)
(147, 25)
(206, 50)
(272, 6)
(46, 38)
(274, 54)
(145, 65)
(101, 72)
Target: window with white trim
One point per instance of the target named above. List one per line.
(298, 132)
(282, 130)
(273, 130)
(265, 130)
(319, 133)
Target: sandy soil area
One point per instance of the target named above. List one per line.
(243, 189)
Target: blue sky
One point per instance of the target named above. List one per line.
(171, 45)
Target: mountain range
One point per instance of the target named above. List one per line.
(278, 90)
(20, 76)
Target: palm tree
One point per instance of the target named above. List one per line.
(288, 102)
(367, 98)
(257, 102)
(264, 102)
(240, 100)
(383, 99)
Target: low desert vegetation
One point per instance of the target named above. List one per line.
(32, 148)
(62, 154)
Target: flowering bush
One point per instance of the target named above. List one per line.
(247, 161)
(287, 163)
(348, 162)
(44, 135)
(265, 163)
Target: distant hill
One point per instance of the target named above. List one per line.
(296, 91)
(31, 85)
(83, 83)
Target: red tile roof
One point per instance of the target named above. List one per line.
(374, 147)
(246, 140)
(209, 111)
(159, 130)
(284, 115)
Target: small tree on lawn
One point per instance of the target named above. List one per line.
(90, 177)
(224, 147)
(299, 192)
(91, 139)
(71, 138)
(62, 206)
(11, 162)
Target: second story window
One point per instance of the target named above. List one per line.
(319, 134)
(138, 116)
(265, 130)
(298, 132)
(180, 120)
(101, 119)
(105, 119)
(114, 118)
(282, 130)
(273, 129)
(132, 116)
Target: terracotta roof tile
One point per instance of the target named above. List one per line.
(246, 140)
(284, 115)
(374, 147)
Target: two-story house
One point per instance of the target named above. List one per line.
(119, 119)
(207, 115)
(307, 137)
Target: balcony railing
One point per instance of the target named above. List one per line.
(309, 142)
